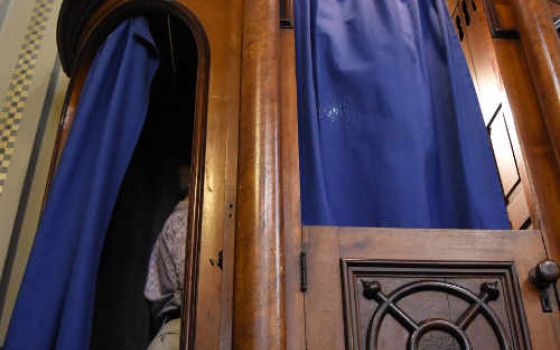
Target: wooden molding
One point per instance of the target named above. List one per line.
(498, 30)
(290, 176)
(542, 51)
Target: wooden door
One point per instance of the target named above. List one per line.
(390, 289)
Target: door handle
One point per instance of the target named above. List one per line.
(543, 277)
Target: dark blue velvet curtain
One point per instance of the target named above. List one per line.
(391, 133)
(55, 305)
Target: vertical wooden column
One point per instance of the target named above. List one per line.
(542, 50)
(258, 309)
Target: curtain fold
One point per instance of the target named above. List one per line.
(55, 304)
(391, 133)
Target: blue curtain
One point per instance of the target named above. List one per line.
(391, 133)
(54, 308)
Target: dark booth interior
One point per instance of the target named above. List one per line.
(149, 192)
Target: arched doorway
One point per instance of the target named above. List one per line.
(168, 154)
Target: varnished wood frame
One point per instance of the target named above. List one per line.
(106, 18)
(496, 28)
(542, 50)
(539, 135)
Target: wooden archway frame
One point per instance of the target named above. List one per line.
(105, 19)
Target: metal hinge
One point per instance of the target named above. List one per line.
(303, 271)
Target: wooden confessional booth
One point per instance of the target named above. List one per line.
(255, 278)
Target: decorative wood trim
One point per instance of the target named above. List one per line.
(259, 320)
(542, 52)
(496, 29)
(291, 220)
(96, 29)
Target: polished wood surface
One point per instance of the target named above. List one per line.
(295, 324)
(543, 176)
(479, 42)
(502, 22)
(259, 283)
(214, 296)
(327, 245)
(196, 195)
(527, 127)
(554, 7)
(542, 50)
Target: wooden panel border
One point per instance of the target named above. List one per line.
(542, 51)
(497, 30)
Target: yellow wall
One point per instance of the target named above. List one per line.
(32, 88)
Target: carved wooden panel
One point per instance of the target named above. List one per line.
(432, 306)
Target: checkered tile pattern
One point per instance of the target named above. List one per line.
(14, 103)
